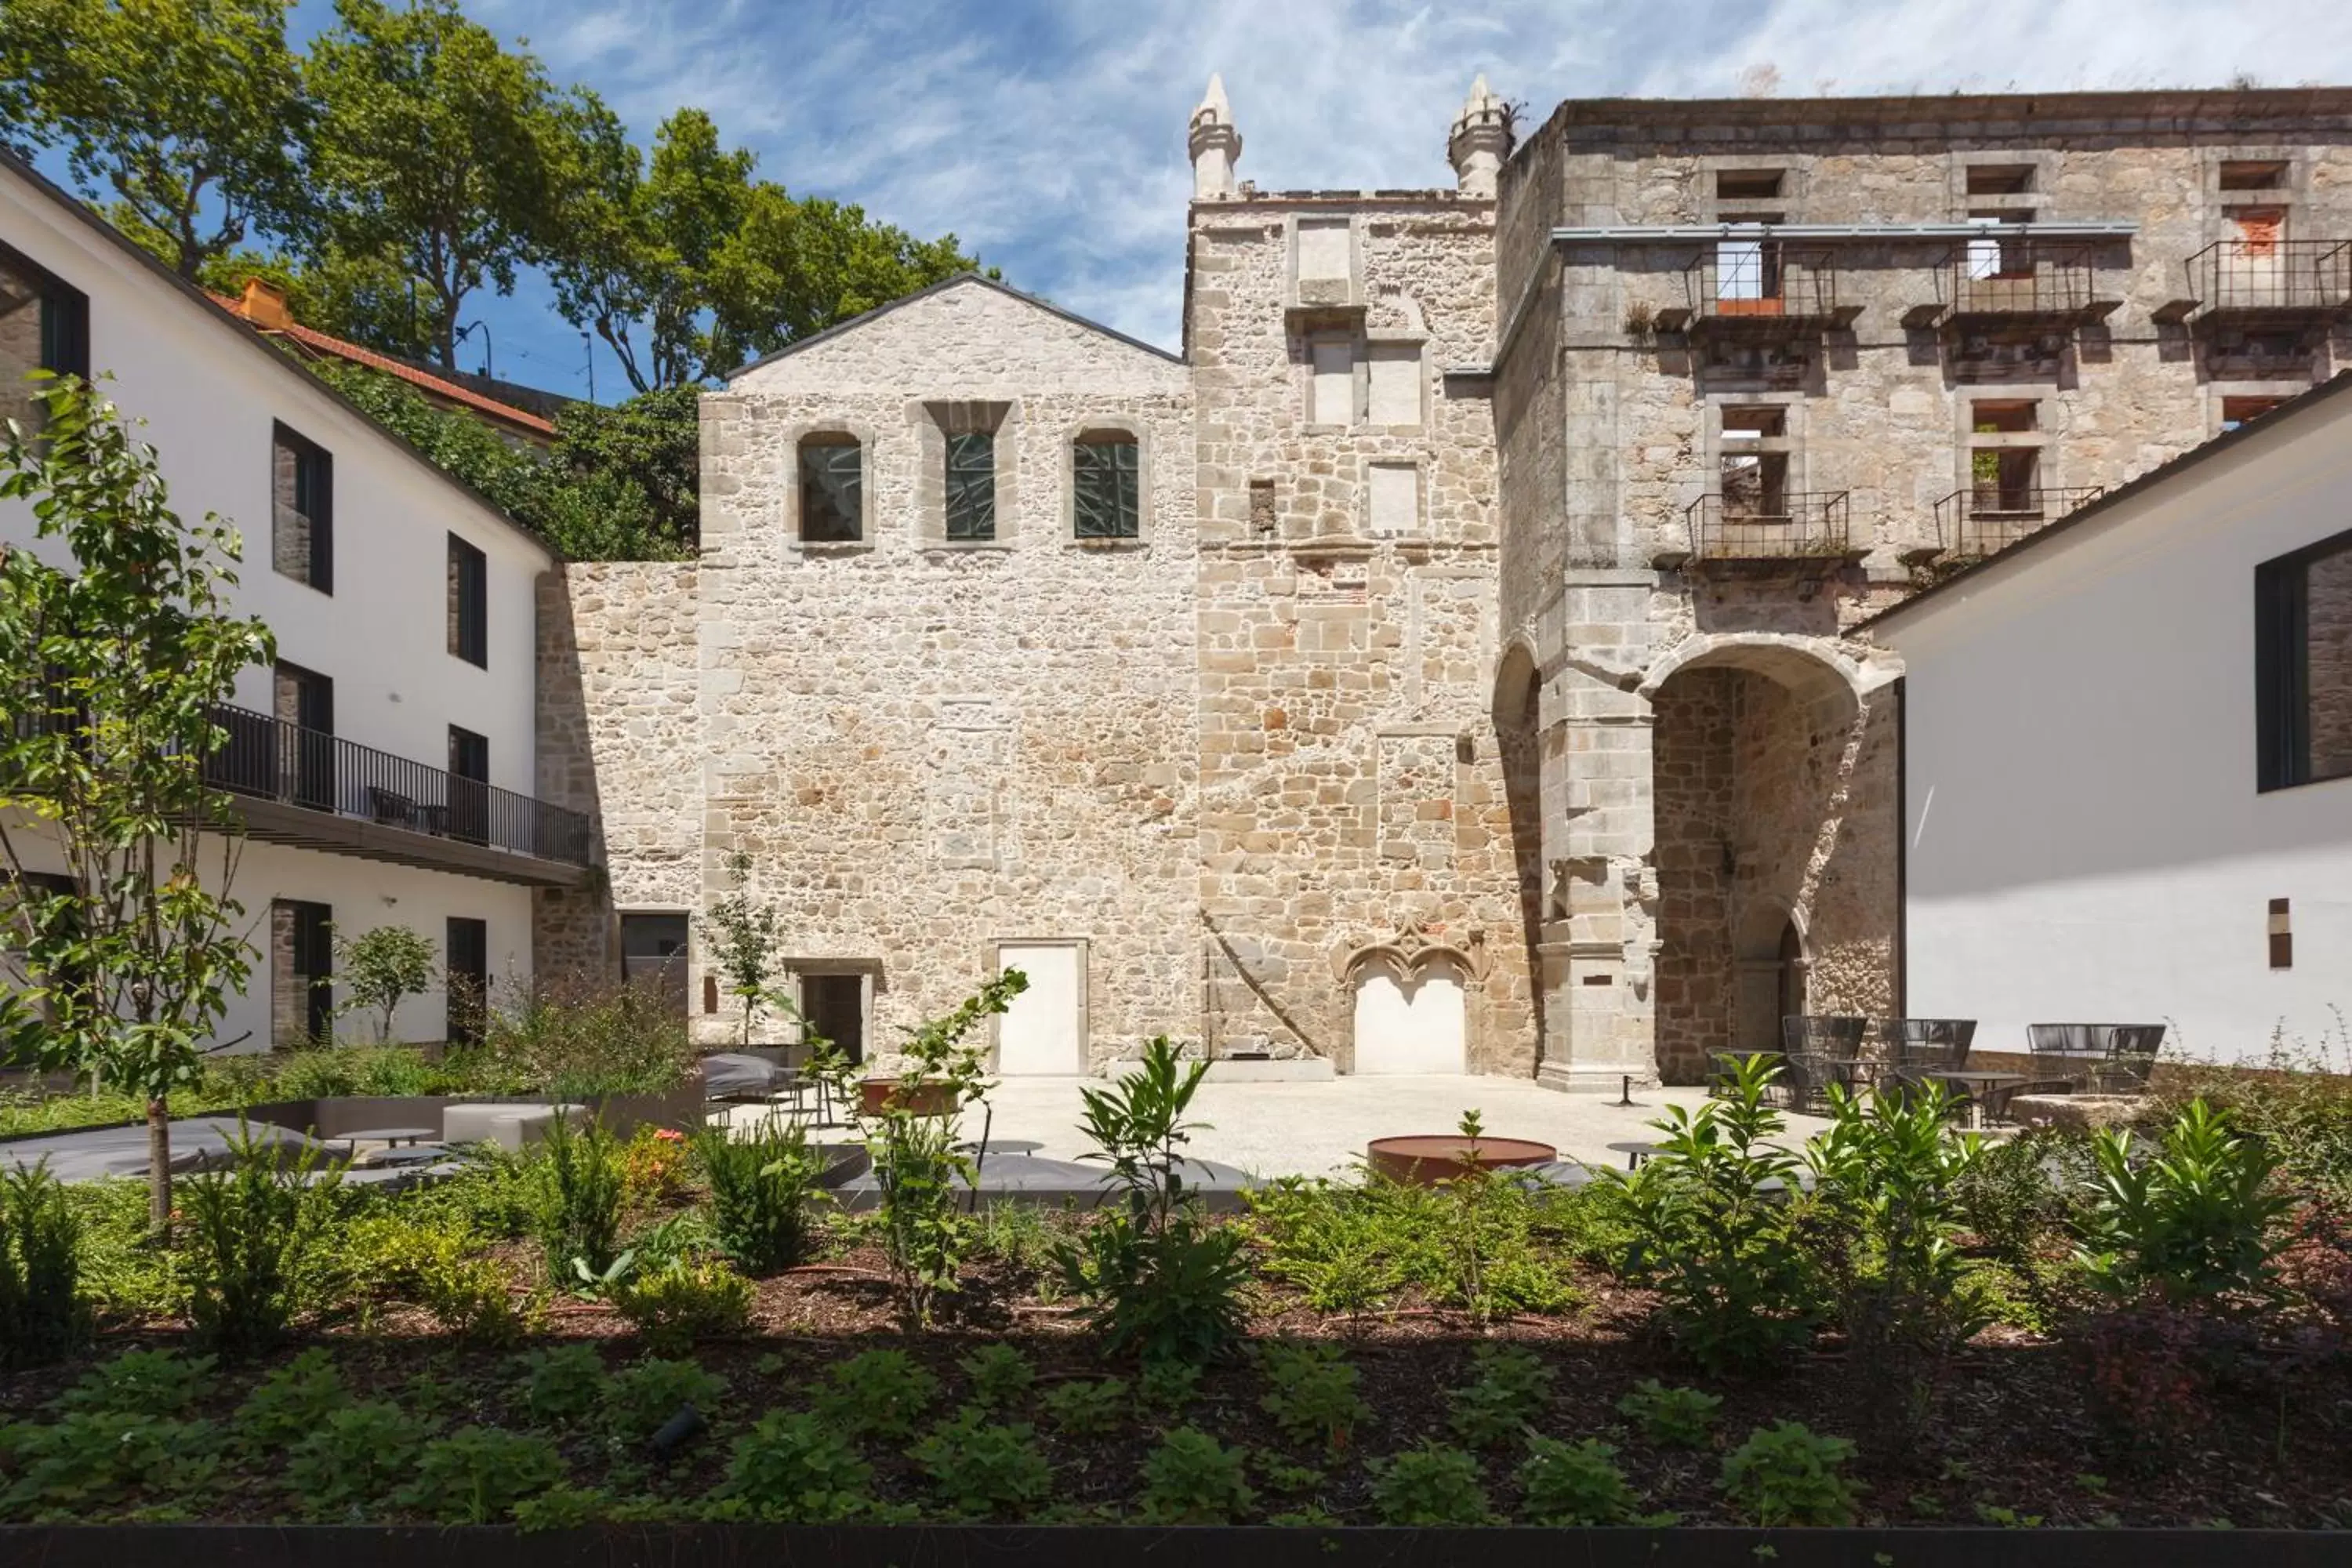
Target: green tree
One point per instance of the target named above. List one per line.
(112, 672)
(381, 968)
(744, 937)
(190, 112)
(442, 152)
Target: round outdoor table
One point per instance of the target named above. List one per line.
(1978, 1084)
(1428, 1159)
(1634, 1153)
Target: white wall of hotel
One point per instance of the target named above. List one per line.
(210, 403)
(2085, 840)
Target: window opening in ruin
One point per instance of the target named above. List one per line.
(1789, 972)
(1260, 506)
(1999, 179)
(2253, 174)
(2302, 665)
(2003, 478)
(302, 516)
(44, 325)
(654, 952)
(1331, 396)
(1749, 185)
(2236, 411)
(1999, 255)
(832, 488)
(1754, 474)
(971, 485)
(1106, 486)
(2257, 231)
(833, 1007)
(1747, 265)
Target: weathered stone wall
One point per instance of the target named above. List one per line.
(926, 747)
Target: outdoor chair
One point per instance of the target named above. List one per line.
(1915, 1046)
(2111, 1059)
(1818, 1049)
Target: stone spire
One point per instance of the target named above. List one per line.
(1480, 141)
(1214, 144)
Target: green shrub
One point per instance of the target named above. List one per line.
(123, 1277)
(2198, 1222)
(638, 1399)
(94, 1458)
(1430, 1485)
(291, 1403)
(1670, 1418)
(578, 1205)
(1312, 1392)
(760, 1188)
(1785, 1475)
(1167, 1387)
(796, 1468)
(356, 1458)
(1356, 1249)
(477, 1473)
(1001, 1375)
(43, 1318)
(1563, 1484)
(1090, 1407)
(438, 1266)
(1713, 1230)
(141, 1383)
(1193, 1479)
(1508, 1395)
(1160, 1280)
(257, 1244)
(563, 1384)
(981, 1469)
(587, 1039)
(673, 1307)
(879, 1393)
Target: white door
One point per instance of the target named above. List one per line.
(1040, 1033)
(1416, 1028)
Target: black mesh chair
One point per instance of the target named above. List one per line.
(1917, 1045)
(2128, 1057)
(2109, 1059)
(1818, 1049)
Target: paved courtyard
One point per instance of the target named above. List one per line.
(1320, 1129)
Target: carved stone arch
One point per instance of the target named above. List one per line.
(1385, 983)
(1412, 950)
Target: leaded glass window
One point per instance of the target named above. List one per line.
(971, 485)
(1106, 486)
(832, 489)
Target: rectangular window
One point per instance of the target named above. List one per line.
(302, 974)
(832, 488)
(2302, 666)
(1106, 486)
(466, 980)
(44, 325)
(971, 485)
(1999, 179)
(470, 603)
(1396, 500)
(1998, 255)
(302, 514)
(1395, 383)
(304, 703)
(2253, 174)
(1323, 250)
(654, 953)
(1331, 397)
(469, 781)
(1747, 184)
(833, 1009)
(1753, 465)
(2236, 411)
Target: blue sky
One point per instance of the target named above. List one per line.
(1049, 134)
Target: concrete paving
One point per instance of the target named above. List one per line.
(1321, 1129)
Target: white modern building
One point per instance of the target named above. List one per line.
(2127, 755)
(384, 765)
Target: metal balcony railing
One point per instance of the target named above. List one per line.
(1789, 527)
(2272, 277)
(2002, 278)
(1983, 519)
(1762, 283)
(264, 757)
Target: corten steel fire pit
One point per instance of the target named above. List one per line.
(1427, 1159)
(930, 1097)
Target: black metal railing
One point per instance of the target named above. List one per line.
(1762, 282)
(2002, 277)
(1790, 526)
(1985, 518)
(269, 759)
(2284, 277)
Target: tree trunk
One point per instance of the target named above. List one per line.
(159, 1171)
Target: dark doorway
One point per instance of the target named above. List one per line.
(302, 974)
(306, 703)
(835, 1007)
(469, 781)
(1790, 971)
(468, 973)
(652, 952)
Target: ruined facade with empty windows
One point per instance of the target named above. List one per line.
(1444, 662)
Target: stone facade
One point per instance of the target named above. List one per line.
(1439, 660)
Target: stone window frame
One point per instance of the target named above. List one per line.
(1790, 442)
(2215, 393)
(1354, 289)
(795, 969)
(306, 555)
(1796, 176)
(936, 418)
(1371, 345)
(2292, 193)
(1418, 464)
(2034, 200)
(1333, 330)
(868, 447)
(2048, 472)
(1072, 433)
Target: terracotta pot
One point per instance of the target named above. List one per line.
(931, 1098)
(1431, 1158)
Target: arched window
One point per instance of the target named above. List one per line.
(1106, 486)
(833, 488)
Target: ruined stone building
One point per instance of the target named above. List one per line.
(1446, 662)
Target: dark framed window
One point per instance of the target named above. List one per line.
(302, 974)
(469, 786)
(2302, 665)
(470, 603)
(971, 485)
(44, 325)
(832, 488)
(1106, 486)
(302, 511)
(466, 980)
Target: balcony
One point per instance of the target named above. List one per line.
(1802, 529)
(320, 791)
(2001, 281)
(1761, 289)
(2282, 281)
(1984, 519)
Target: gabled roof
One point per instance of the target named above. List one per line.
(942, 286)
(245, 333)
(2266, 425)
